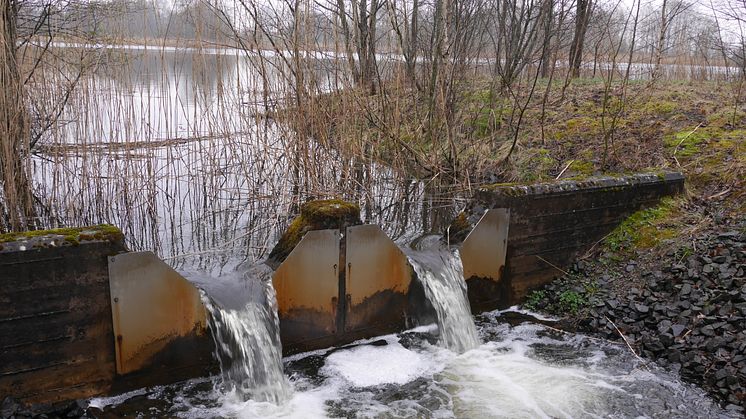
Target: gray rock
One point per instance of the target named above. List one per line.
(664, 326)
(678, 329)
(9, 407)
(642, 308)
(707, 331)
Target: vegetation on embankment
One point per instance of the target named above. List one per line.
(591, 127)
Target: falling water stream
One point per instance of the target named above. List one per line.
(247, 342)
(462, 367)
(442, 275)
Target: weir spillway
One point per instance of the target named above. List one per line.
(83, 316)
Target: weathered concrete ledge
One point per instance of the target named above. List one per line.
(57, 339)
(551, 224)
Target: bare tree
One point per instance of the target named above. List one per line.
(583, 12)
(515, 36)
(668, 14)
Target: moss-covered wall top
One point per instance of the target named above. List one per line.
(71, 236)
(314, 215)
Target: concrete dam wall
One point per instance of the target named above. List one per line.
(548, 225)
(82, 316)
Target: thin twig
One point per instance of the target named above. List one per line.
(553, 265)
(584, 336)
(565, 169)
(675, 150)
(719, 194)
(626, 341)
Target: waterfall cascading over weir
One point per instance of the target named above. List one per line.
(247, 330)
(248, 348)
(441, 274)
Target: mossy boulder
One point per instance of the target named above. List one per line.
(314, 215)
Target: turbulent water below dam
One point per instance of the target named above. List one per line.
(465, 366)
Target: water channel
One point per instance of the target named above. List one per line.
(464, 366)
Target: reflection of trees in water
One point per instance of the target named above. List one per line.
(172, 147)
(212, 203)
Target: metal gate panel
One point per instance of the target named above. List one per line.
(151, 305)
(483, 250)
(377, 279)
(307, 284)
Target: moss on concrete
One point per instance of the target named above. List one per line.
(314, 215)
(72, 235)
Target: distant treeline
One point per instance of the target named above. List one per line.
(122, 20)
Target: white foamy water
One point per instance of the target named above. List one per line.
(368, 365)
(528, 372)
(442, 276)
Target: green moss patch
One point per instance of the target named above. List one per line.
(72, 235)
(658, 108)
(644, 229)
(686, 143)
(314, 215)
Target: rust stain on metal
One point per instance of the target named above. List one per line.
(483, 250)
(375, 266)
(306, 281)
(152, 305)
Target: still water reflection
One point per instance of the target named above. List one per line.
(172, 147)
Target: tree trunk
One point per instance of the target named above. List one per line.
(582, 16)
(16, 205)
(413, 28)
(660, 44)
(349, 52)
(547, 17)
(371, 46)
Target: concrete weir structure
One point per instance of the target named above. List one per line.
(80, 315)
(519, 237)
(341, 283)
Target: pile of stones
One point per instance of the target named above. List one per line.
(687, 311)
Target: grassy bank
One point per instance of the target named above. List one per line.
(588, 128)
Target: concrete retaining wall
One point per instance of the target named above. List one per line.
(56, 336)
(552, 223)
(56, 339)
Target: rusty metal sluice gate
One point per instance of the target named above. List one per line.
(337, 286)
